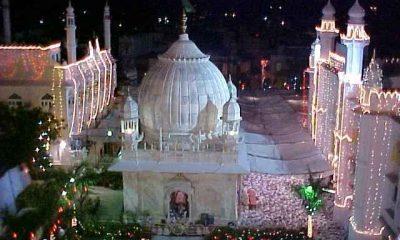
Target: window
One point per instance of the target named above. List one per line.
(14, 100)
(56, 57)
(47, 102)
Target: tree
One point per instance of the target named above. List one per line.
(25, 135)
(312, 200)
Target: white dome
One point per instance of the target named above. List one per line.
(182, 93)
(231, 111)
(131, 110)
(328, 11)
(356, 13)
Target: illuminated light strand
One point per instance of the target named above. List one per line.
(344, 205)
(374, 201)
(60, 94)
(83, 110)
(105, 80)
(20, 64)
(355, 32)
(325, 108)
(103, 56)
(53, 86)
(98, 84)
(370, 233)
(321, 110)
(75, 103)
(391, 99)
(327, 26)
(110, 78)
(30, 47)
(341, 137)
(91, 96)
(103, 66)
(344, 151)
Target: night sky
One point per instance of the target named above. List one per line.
(41, 21)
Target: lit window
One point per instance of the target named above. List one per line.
(14, 100)
(47, 102)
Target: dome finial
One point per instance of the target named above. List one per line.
(70, 9)
(232, 89)
(328, 11)
(183, 21)
(373, 55)
(356, 13)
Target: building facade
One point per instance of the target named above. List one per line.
(351, 121)
(78, 93)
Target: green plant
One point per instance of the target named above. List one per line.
(24, 138)
(313, 202)
(311, 195)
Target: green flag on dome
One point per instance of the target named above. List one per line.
(188, 6)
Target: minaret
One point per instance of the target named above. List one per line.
(130, 127)
(312, 76)
(315, 53)
(327, 32)
(355, 40)
(231, 113)
(70, 29)
(372, 162)
(6, 21)
(107, 27)
(347, 121)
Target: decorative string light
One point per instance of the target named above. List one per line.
(90, 94)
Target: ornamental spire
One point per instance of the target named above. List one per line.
(356, 13)
(373, 74)
(183, 21)
(328, 12)
(232, 89)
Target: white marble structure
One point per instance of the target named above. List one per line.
(193, 154)
(192, 158)
(327, 32)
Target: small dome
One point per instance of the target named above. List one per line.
(131, 109)
(328, 11)
(356, 13)
(231, 109)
